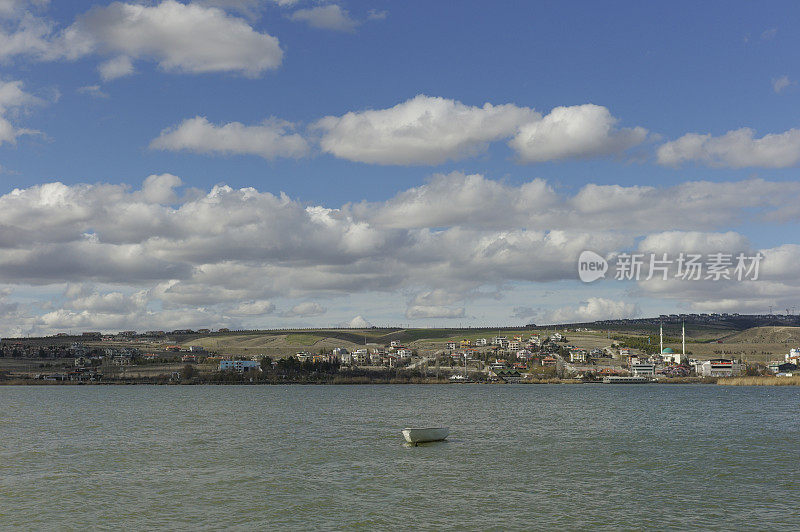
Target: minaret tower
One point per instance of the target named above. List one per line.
(683, 339)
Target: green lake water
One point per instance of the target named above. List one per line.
(332, 457)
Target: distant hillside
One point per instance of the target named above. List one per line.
(766, 335)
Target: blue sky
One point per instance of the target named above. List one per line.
(235, 92)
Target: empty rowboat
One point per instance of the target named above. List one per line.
(422, 435)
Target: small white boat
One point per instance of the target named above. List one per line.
(422, 435)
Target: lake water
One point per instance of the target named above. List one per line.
(331, 457)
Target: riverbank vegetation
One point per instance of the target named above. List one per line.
(760, 381)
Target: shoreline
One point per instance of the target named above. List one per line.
(334, 382)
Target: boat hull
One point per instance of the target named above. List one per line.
(422, 435)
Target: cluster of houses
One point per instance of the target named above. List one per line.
(674, 364)
(788, 367)
(393, 356)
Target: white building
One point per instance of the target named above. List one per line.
(524, 354)
(502, 341)
(481, 342)
(239, 365)
(719, 367)
(343, 355)
(577, 355)
(513, 345)
(360, 356)
(404, 354)
(643, 370)
(673, 358)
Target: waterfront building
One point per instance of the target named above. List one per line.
(794, 356)
(643, 370)
(718, 367)
(669, 356)
(785, 367)
(239, 365)
(360, 357)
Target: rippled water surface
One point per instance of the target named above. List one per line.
(332, 457)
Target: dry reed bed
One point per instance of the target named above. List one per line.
(761, 381)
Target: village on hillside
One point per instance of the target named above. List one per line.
(557, 354)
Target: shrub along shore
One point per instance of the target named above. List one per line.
(760, 381)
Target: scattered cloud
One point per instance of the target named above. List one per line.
(117, 67)
(580, 131)
(13, 98)
(356, 323)
(524, 313)
(782, 83)
(188, 38)
(253, 308)
(305, 310)
(164, 254)
(422, 130)
(434, 311)
(734, 149)
(433, 130)
(270, 139)
(769, 34)
(375, 14)
(595, 308)
(11, 8)
(252, 9)
(488, 204)
(92, 90)
(180, 37)
(329, 17)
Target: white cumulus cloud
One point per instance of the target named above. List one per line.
(593, 309)
(271, 139)
(329, 17)
(13, 97)
(359, 322)
(735, 149)
(305, 310)
(159, 255)
(190, 38)
(422, 130)
(579, 131)
(118, 67)
(434, 311)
